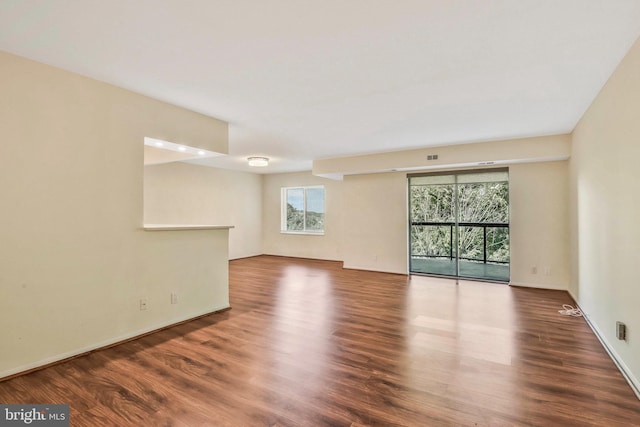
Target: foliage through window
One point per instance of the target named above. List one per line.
(458, 220)
(477, 203)
(303, 210)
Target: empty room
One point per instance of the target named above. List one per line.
(339, 213)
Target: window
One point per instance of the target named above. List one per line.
(303, 210)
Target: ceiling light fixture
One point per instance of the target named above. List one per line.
(258, 161)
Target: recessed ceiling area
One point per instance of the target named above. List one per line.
(157, 151)
(300, 81)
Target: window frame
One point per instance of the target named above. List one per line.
(283, 210)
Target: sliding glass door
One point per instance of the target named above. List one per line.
(459, 224)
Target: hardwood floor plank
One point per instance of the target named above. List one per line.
(308, 343)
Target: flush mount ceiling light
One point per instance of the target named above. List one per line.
(258, 161)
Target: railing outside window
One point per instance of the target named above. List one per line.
(493, 249)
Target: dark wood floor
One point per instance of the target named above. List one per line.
(310, 344)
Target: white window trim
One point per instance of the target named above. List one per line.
(283, 211)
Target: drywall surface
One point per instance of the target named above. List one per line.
(373, 223)
(365, 223)
(525, 150)
(275, 242)
(606, 201)
(74, 260)
(539, 225)
(378, 240)
(190, 194)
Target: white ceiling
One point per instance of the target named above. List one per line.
(300, 80)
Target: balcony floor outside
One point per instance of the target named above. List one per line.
(470, 269)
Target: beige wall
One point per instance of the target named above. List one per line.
(191, 194)
(369, 231)
(539, 234)
(375, 222)
(540, 149)
(274, 242)
(605, 211)
(74, 262)
(539, 228)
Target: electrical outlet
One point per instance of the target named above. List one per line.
(143, 304)
(621, 331)
(174, 298)
(534, 270)
(547, 271)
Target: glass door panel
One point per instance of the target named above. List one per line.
(460, 224)
(432, 216)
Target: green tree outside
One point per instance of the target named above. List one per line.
(477, 203)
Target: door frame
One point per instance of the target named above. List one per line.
(456, 221)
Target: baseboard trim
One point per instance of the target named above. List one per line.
(375, 270)
(346, 267)
(538, 286)
(622, 367)
(64, 357)
(302, 257)
(245, 257)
